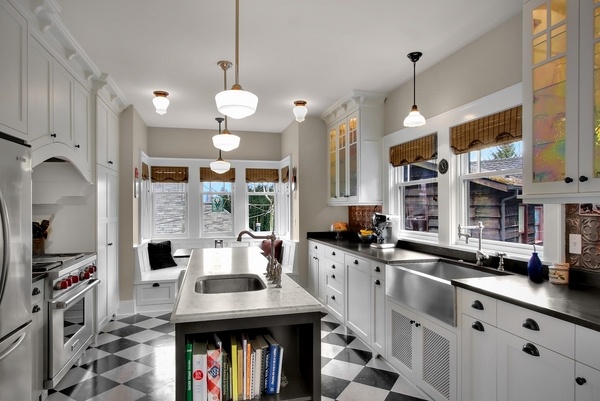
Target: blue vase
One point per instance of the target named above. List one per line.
(534, 268)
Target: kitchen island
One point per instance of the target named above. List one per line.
(290, 314)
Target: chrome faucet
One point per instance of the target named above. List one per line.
(500, 255)
(479, 255)
(274, 268)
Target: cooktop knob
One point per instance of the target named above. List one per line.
(63, 285)
(74, 279)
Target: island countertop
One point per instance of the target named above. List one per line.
(191, 306)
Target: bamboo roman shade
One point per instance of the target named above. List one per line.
(145, 172)
(418, 150)
(262, 175)
(285, 174)
(206, 174)
(168, 174)
(495, 129)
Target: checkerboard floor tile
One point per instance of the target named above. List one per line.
(134, 360)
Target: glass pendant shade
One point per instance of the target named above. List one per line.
(220, 166)
(160, 102)
(226, 141)
(236, 103)
(414, 118)
(300, 110)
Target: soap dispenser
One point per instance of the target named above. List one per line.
(534, 268)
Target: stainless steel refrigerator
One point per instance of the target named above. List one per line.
(15, 270)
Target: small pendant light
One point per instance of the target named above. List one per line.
(414, 118)
(225, 140)
(220, 166)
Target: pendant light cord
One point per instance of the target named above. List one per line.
(237, 40)
(414, 83)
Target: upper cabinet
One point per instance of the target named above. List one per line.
(107, 135)
(355, 127)
(13, 65)
(561, 100)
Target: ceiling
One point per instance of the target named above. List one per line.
(313, 50)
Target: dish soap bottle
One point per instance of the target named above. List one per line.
(534, 267)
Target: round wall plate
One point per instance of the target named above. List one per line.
(443, 166)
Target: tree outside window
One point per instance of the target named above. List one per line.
(261, 206)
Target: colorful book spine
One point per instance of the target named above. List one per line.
(226, 375)
(279, 369)
(257, 352)
(253, 383)
(234, 368)
(248, 370)
(214, 372)
(240, 372)
(188, 370)
(199, 365)
(271, 382)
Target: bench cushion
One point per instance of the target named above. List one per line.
(159, 254)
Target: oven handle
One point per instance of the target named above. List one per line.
(58, 303)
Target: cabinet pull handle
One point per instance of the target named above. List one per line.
(36, 291)
(77, 146)
(333, 253)
(478, 326)
(316, 247)
(417, 324)
(377, 269)
(333, 266)
(156, 285)
(109, 244)
(531, 324)
(568, 180)
(333, 297)
(580, 380)
(412, 321)
(531, 349)
(582, 178)
(110, 162)
(333, 276)
(477, 305)
(53, 135)
(36, 309)
(377, 282)
(355, 261)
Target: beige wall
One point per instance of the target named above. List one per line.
(133, 138)
(195, 143)
(486, 65)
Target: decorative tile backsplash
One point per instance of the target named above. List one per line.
(359, 217)
(584, 219)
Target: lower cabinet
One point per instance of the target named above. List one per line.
(478, 359)
(37, 333)
(316, 273)
(587, 383)
(423, 351)
(378, 332)
(358, 296)
(335, 291)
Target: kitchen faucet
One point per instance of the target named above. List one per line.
(273, 266)
(479, 255)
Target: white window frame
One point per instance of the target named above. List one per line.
(276, 186)
(203, 233)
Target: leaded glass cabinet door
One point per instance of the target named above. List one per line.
(342, 150)
(550, 96)
(353, 159)
(333, 170)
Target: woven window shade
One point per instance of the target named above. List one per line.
(419, 150)
(168, 174)
(285, 174)
(493, 130)
(206, 174)
(145, 172)
(262, 175)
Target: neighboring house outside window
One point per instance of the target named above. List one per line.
(217, 202)
(169, 190)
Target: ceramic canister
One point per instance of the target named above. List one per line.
(558, 273)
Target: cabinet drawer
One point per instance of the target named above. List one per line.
(317, 248)
(155, 293)
(334, 254)
(586, 346)
(478, 306)
(363, 265)
(37, 292)
(334, 267)
(378, 270)
(335, 303)
(554, 334)
(335, 281)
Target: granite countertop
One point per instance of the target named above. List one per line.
(389, 256)
(193, 307)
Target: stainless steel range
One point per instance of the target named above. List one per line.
(71, 304)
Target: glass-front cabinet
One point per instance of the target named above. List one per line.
(561, 99)
(355, 128)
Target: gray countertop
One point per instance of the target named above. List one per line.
(194, 307)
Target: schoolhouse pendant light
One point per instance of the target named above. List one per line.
(160, 101)
(220, 166)
(300, 110)
(236, 102)
(225, 140)
(414, 118)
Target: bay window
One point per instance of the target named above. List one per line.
(169, 194)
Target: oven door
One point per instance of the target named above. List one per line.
(70, 329)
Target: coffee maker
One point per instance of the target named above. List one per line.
(386, 229)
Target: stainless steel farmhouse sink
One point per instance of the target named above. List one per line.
(425, 286)
(220, 284)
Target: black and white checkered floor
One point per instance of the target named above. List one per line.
(134, 360)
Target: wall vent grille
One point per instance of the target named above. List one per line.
(402, 339)
(436, 362)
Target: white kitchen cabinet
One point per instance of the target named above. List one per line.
(378, 333)
(82, 130)
(423, 351)
(587, 379)
(478, 357)
(561, 97)
(38, 310)
(107, 245)
(13, 65)
(587, 369)
(62, 105)
(316, 258)
(354, 129)
(358, 291)
(335, 289)
(107, 135)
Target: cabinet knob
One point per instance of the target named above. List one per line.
(478, 326)
(531, 349)
(582, 178)
(316, 247)
(377, 282)
(568, 180)
(377, 269)
(36, 291)
(531, 324)
(109, 244)
(412, 321)
(53, 135)
(333, 253)
(333, 297)
(333, 266)
(77, 146)
(355, 261)
(417, 324)
(580, 380)
(156, 285)
(477, 305)
(110, 162)
(36, 309)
